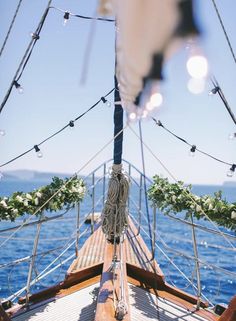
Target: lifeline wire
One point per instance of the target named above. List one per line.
(224, 30)
(159, 123)
(59, 131)
(11, 25)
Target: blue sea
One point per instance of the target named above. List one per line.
(216, 254)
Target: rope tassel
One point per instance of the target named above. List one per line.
(115, 214)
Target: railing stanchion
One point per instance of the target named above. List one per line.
(77, 230)
(129, 173)
(196, 265)
(93, 202)
(154, 232)
(140, 202)
(104, 183)
(32, 261)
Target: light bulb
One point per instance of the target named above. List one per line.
(156, 100)
(192, 151)
(230, 172)
(196, 86)
(132, 116)
(151, 97)
(232, 136)
(108, 103)
(19, 88)
(197, 66)
(2, 132)
(66, 18)
(38, 151)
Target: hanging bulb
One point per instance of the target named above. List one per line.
(231, 171)
(66, 18)
(105, 101)
(132, 116)
(214, 91)
(38, 151)
(19, 88)
(196, 86)
(151, 98)
(71, 124)
(232, 136)
(197, 66)
(2, 132)
(192, 151)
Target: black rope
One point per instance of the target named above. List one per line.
(159, 123)
(11, 25)
(224, 30)
(70, 124)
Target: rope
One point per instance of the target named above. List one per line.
(114, 214)
(224, 30)
(11, 25)
(184, 190)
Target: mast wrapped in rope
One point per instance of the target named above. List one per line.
(115, 215)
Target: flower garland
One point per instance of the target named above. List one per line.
(19, 203)
(176, 198)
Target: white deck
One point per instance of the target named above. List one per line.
(147, 307)
(79, 306)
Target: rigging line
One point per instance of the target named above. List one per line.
(63, 186)
(184, 190)
(56, 133)
(171, 262)
(11, 25)
(144, 181)
(27, 52)
(224, 30)
(83, 17)
(160, 124)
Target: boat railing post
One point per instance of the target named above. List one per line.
(104, 184)
(196, 265)
(32, 261)
(77, 230)
(129, 173)
(154, 232)
(140, 202)
(93, 202)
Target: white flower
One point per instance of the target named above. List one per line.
(19, 198)
(210, 207)
(28, 196)
(173, 198)
(25, 202)
(198, 209)
(36, 201)
(4, 204)
(38, 194)
(15, 210)
(233, 215)
(81, 189)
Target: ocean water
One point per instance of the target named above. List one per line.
(215, 252)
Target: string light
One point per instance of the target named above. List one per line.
(36, 148)
(19, 88)
(2, 132)
(105, 101)
(197, 66)
(231, 171)
(66, 18)
(192, 150)
(38, 151)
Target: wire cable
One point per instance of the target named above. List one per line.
(11, 25)
(224, 30)
(70, 124)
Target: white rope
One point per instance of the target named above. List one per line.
(184, 190)
(114, 214)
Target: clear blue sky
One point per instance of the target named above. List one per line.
(53, 95)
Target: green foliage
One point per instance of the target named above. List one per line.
(175, 198)
(68, 192)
